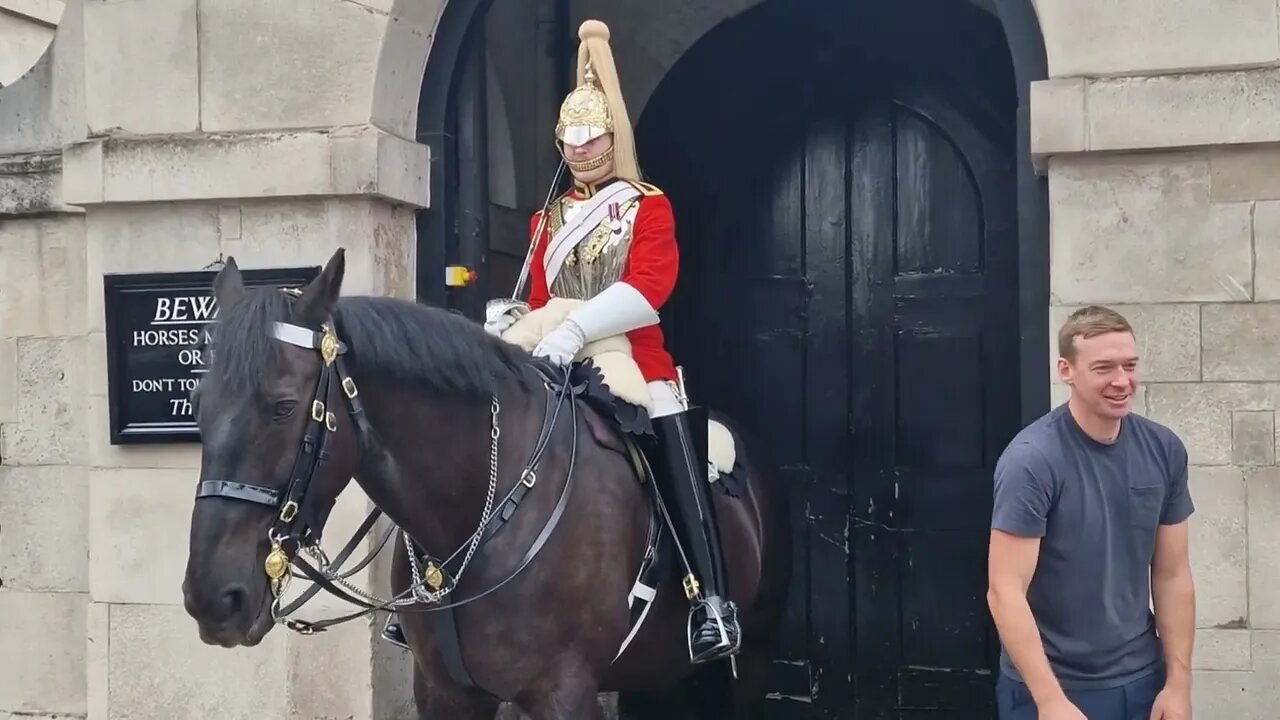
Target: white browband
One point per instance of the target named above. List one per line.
(296, 335)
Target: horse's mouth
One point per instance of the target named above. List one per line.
(235, 634)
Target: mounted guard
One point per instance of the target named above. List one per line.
(603, 259)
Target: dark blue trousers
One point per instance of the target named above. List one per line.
(1127, 702)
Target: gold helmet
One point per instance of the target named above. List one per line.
(595, 107)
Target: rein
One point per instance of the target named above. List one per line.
(295, 526)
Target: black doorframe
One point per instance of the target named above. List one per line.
(454, 226)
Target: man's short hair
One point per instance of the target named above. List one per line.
(1088, 322)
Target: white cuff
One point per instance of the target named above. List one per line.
(618, 308)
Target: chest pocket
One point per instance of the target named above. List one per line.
(1146, 499)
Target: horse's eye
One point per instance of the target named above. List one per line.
(284, 409)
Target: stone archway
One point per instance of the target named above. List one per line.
(418, 72)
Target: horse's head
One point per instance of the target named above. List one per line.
(277, 448)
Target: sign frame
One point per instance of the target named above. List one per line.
(117, 289)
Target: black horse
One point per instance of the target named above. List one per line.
(467, 443)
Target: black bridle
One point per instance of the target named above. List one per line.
(298, 522)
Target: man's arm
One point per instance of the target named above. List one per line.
(1174, 597)
(1023, 496)
(1172, 588)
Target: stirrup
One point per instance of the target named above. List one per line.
(393, 633)
(726, 626)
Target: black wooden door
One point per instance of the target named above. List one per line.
(863, 288)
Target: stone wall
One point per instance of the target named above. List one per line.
(1159, 135)
(278, 131)
(275, 133)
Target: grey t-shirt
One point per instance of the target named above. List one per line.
(1096, 507)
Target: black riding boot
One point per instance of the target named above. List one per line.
(679, 461)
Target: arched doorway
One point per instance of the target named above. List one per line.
(848, 222)
(860, 224)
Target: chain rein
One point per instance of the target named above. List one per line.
(417, 589)
(278, 564)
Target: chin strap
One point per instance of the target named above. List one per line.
(617, 309)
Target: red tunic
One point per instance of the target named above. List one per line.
(653, 262)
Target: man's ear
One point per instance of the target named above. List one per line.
(228, 285)
(321, 295)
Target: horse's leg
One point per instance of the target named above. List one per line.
(569, 692)
(440, 698)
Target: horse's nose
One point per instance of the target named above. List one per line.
(230, 603)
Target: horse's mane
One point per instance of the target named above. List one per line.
(436, 350)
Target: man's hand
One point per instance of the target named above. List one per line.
(1173, 702)
(499, 325)
(561, 345)
(1060, 709)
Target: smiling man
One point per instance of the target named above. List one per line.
(1088, 533)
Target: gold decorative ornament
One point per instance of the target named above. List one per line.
(277, 569)
(433, 576)
(328, 345)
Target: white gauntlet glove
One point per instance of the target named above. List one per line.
(501, 313)
(498, 325)
(618, 309)
(561, 345)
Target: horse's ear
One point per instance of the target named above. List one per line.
(228, 285)
(321, 295)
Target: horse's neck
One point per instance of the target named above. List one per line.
(428, 465)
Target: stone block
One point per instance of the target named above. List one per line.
(307, 232)
(1201, 413)
(8, 380)
(394, 254)
(1138, 37)
(139, 522)
(1168, 338)
(1201, 108)
(145, 238)
(31, 184)
(1225, 694)
(97, 659)
(363, 155)
(1266, 249)
(50, 405)
(1240, 341)
(1057, 116)
(1142, 230)
(1264, 548)
(44, 537)
(301, 77)
(42, 269)
(102, 454)
(330, 674)
(346, 161)
(1219, 547)
(42, 658)
(1253, 437)
(1240, 174)
(1222, 650)
(159, 92)
(229, 222)
(160, 670)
